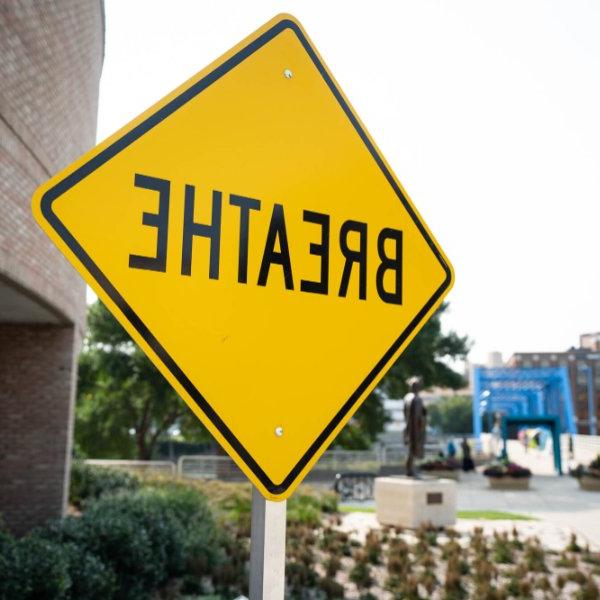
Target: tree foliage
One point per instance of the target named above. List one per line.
(124, 405)
(452, 415)
(427, 356)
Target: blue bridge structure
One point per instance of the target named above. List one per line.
(543, 392)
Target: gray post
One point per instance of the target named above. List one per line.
(591, 403)
(267, 548)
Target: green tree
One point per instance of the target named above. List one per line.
(124, 405)
(427, 356)
(452, 415)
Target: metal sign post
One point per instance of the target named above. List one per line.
(267, 548)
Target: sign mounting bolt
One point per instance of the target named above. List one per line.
(287, 73)
(279, 431)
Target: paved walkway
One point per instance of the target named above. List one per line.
(552, 499)
(556, 501)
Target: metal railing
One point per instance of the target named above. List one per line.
(160, 466)
(204, 466)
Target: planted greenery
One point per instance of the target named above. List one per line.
(591, 470)
(173, 539)
(91, 482)
(506, 468)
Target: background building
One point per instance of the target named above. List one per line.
(583, 365)
(50, 62)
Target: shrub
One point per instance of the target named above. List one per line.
(373, 547)
(440, 464)
(506, 468)
(589, 590)
(145, 537)
(307, 504)
(502, 549)
(360, 573)
(592, 470)
(90, 482)
(35, 569)
(119, 532)
(90, 577)
(573, 546)
(332, 565)
(332, 589)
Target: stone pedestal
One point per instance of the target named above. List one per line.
(508, 483)
(406, 502)
(592, 484)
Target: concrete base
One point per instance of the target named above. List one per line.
(443, 474)
(407, 502)
(508, 483)
(591, 484)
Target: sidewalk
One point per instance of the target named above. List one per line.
(557, 502)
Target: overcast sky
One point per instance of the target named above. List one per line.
(488, 112)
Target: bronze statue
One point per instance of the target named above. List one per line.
(415, 417)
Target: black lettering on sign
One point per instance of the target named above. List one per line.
(277, 231)
(352, 244)
(354, 256)
(390, 264)
(191, 229)
(245, 206)
(322, 250)
(160, 220)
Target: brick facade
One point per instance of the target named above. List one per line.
(577, 361)
(50, 63)
(37, 372)
(51, 56)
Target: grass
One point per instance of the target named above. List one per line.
(351, 509)
(493, 515)
(488, 515)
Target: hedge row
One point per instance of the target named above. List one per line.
(138, 535)
(124, 546)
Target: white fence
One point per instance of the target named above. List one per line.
(160, 466)
(205, 466)
(201, 466)
(222, 467)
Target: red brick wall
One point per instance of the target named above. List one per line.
(50, 62)
(37, 380)
(51, 56)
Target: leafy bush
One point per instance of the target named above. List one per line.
(41, 569)
(592, 470)
(440, 464)
(307, 504)
(91, 482)
(134, 542)
(34, 569)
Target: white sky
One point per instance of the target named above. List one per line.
(488, 112)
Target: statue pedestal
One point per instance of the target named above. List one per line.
(407, 502)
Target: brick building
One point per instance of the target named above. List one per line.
(50, 62)
(583, 364)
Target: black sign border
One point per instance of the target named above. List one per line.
(139, 130)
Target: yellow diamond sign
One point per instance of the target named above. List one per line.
(251, 238)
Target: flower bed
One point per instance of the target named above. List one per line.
(443, 468)
(588, 477)
(506, 475)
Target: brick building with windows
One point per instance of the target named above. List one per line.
(583, 365)
(51, 57)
